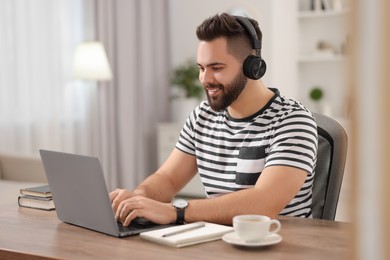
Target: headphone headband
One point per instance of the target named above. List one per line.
(254, 66)
(247, 25)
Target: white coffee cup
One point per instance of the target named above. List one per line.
(255, 227)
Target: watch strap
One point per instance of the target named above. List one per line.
(179, 216)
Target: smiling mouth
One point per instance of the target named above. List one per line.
(212, 91)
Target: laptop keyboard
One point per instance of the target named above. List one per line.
(135, 225)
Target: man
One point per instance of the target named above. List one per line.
(254, 149)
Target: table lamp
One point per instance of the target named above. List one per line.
(91, 63)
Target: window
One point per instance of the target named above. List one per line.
(41, 106)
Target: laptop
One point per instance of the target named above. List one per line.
(81, 197)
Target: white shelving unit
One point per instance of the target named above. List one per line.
(322, 57)
(325, 69)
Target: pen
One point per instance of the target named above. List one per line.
(191, 227)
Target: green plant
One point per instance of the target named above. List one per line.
(316, 93)
(186, 78)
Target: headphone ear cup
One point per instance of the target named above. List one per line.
(254, 67)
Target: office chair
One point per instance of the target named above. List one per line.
(329, 171)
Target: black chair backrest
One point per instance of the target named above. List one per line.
(329, 171)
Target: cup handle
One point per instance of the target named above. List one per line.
(276, 224)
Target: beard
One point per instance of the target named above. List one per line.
(229, 92)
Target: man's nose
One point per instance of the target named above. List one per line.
(205, 77)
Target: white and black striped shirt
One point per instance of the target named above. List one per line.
(232, 153)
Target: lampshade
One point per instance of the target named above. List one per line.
(90, 62)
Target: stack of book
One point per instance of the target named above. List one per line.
(36, 197)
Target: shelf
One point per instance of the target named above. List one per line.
(322, 58)
(319, 14)
(322, 55)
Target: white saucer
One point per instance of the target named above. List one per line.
(232, 238)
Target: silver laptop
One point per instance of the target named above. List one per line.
(81, 197)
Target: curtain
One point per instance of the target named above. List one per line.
(136, 36)
(41, 106)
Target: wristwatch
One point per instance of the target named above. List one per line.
(180, 206)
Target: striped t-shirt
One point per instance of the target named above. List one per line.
(232, 153)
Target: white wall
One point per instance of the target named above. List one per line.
(283, 45)
(277, 22)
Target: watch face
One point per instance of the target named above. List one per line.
(180, 204)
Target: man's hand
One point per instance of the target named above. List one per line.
(140, 206)
(151, 199)
(119, 195)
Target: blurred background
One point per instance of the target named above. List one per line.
(49, 100)
(125, 108)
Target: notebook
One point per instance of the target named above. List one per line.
(81, 197)
(188, 234)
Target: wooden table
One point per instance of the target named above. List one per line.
(35, 234)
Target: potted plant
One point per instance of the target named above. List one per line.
(316, 94)
(186, 79)
(187, 90)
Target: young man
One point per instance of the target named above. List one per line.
(254, 149)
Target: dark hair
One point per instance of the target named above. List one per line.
(225, 25)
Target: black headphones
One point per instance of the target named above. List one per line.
(254, 66)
